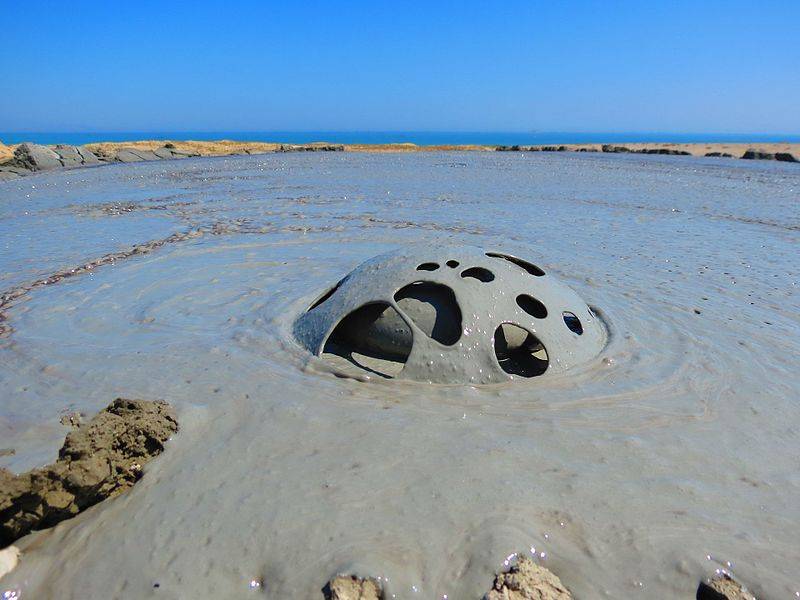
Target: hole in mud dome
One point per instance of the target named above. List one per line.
(532, 306)
(433, 308)
(519, 352)
(452, 264)
(374, 338)
(326, 295)
(529, 267)
(479, 273)
(573, 322)
(427, 267)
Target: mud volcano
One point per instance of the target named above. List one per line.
(450, 315)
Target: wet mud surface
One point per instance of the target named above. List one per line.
(640, 473)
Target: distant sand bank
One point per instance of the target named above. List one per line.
(22, 159)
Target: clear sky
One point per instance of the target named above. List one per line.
(695, 66)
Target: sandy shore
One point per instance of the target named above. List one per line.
(230, 147)
(224, 147)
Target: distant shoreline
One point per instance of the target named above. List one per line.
(23, 159)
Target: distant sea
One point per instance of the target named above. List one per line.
(386, 137)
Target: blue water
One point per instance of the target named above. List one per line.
(385, 137)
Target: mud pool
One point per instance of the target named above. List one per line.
(671, 454)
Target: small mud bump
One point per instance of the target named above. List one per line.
(350, 587)
(525, 580)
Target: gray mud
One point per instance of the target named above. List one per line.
(637, 474)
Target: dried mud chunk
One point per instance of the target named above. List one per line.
(350, 587)
(723, 587)
(98, 460)
(527, 581)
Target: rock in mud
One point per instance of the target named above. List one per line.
(719, 154)
(350, 587)
(34, 157)
(723, 587)
(98, 460)
(526, 580)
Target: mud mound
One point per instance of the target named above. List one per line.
(350, 587)
(527, 581)
(98, 460)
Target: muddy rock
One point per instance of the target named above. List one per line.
(128, 155)
(723, 587)
(350, 587)
(526, 580)
(8, 172)
(75, 156)
(34, 157)
(98, 460)
(168, 151)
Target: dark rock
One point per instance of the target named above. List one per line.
(719, 154)
(313, 148)
(98, 460)
(664, 151)
(785, 157)
(34, 157)
(757, 155)
(614, 149)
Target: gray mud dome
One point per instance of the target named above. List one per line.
(526, 580)
(98, 460)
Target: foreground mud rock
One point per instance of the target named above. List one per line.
(350, 587)
(98, 460)
(527, 581)
(723, 587)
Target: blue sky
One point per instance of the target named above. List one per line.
(447, 66)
